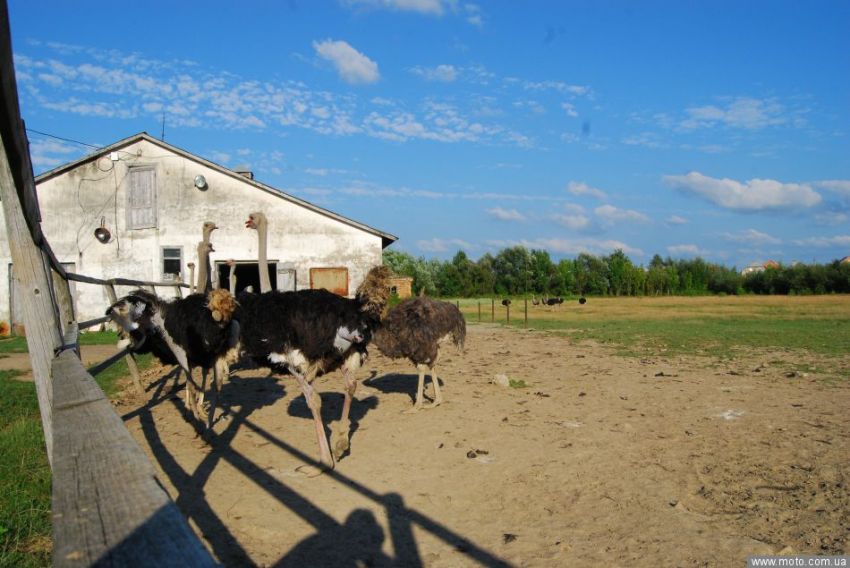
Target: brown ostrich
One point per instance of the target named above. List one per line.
(415, 329)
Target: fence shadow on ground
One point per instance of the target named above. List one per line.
(355, 542)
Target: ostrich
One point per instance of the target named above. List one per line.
(258, 222)
(191, 266)
(582, 300)
(554, 301)
(311, 332)
(534, 301)
(231, 277)
(204, 272)
(198, 330)
(415, 329)
(506, 302)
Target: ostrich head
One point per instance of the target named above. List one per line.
(209, 227)
(256, 221)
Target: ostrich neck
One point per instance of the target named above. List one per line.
(204, 278)
(192, 279)
(262, 263)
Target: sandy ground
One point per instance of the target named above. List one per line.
(600, 460)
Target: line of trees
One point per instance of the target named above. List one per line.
(516, 270)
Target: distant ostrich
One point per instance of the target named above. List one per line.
(415, 329)
(534, 301)
(231, 277)
(582, 300)
(311, 332)
(554, 301)
(196, 331)
(506, 302)
(191, 266)
(258, 222)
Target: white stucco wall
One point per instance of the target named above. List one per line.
(73, 203)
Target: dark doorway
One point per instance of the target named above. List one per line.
(246, 274)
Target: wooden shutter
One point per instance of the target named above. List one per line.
(332, 279)
(141, 198)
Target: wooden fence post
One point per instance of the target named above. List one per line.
(492, 310)
(131, 361)
(526, 312)
(31, 277)
(479, 311)
(508, 306)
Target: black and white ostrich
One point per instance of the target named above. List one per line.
(415, 329)
(308, 333)
(196, 331)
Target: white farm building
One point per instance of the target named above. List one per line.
(153, 199)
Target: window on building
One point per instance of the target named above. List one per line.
(141, 198)
(172, 263)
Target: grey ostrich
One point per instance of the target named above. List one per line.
(258, 222)
(415, 329)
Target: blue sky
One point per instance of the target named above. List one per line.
(717, 129)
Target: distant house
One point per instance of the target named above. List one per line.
(135, 209)
(759, 267)
(402, 286)
(845, 260)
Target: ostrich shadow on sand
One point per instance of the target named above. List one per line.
(400, 383)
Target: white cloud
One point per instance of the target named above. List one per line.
(473, 14)
(839, 186)
(676, 220)
(570, 110)
(687, 250)
(559, 86)
(321, 172)
(752, 195)
(823, 242)
(831, 218)
(443, 245)
(431, 7)
(742, 112)
(353, 67)
(611, 215)
(505, 214)
(580, 188)
(441, 73)
(51, 153)
(752, 237)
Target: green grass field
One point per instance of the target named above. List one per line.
(24, 477)
(24, 473)
(711, 326)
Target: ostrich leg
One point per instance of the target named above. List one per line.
(220, 371)
(341, 442)
(314, 401)
(419, 390)
(438, 396)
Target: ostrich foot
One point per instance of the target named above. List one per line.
(201, 407)
(413, 409)
(341, 444)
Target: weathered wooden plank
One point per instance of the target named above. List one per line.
(120, 281)
(108, 508)
(32, 291)
(131, 362)
(93, 322)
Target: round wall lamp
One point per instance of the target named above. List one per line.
(201, 182)
(102, 234)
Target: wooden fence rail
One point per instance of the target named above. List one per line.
(108, 508)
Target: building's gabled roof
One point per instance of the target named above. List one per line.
(386, 238)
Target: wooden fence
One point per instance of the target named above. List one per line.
(108, 507)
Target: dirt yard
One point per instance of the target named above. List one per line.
(599, 460)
